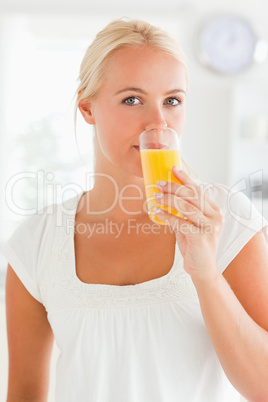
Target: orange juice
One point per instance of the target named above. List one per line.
(157, 165)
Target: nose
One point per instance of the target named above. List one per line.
(154, 118)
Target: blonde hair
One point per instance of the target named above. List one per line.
(120, 33)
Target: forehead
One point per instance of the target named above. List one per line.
(144, 67)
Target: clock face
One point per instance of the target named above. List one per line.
(227, 44)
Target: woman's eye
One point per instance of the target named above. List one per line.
(173, 101)
(131, 101)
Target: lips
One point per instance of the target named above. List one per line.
(137, 147)
(156, 145)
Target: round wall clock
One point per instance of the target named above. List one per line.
(228, 44)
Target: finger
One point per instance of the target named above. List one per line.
(189, 191)
(189, 185)
(182, 176)
(176, 223)
(180, 205)
(188, 182)
(184, 226)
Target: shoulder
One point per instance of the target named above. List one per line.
(236, 206)
(241, 220)
(220, 193)
(37, 226)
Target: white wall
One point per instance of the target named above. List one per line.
(211, 95)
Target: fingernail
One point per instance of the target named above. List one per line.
(158, 195)
(178, 170)
(161, 183)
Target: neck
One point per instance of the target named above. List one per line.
(116, 195)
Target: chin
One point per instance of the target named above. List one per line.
(140, 175)
(135, 171)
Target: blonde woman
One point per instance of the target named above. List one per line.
(140, 313)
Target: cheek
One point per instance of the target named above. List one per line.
(180, 122)
(109, 132)
(125, 120)
(115, 125)
(104, 126)
(111, 119)
(183, 119)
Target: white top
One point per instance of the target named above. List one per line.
(136, 343)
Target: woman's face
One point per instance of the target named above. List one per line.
(143, 88)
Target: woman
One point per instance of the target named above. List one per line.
(139, 312)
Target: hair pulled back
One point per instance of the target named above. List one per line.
(116, 35)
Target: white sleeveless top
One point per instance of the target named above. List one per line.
(136, 343)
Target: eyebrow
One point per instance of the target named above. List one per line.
(172, 91)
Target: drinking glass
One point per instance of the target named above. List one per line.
(159, 151)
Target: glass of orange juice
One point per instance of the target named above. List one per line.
(160, 151)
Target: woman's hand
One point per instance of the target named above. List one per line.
(198, 233)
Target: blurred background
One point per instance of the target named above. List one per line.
(41, 47)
